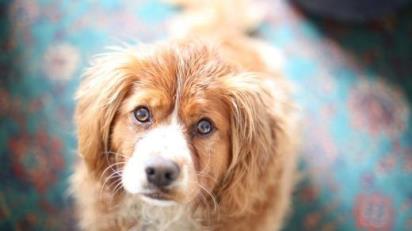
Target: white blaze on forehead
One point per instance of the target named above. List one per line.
(167, 141)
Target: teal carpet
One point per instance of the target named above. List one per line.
(354, 83)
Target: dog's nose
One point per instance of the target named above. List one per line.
(161, 172)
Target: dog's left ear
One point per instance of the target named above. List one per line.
(100, 94)
(260, 129)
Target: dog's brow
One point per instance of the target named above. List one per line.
(178, 93)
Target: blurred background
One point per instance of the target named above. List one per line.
(351, 62)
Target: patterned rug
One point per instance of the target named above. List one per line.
(353, 82)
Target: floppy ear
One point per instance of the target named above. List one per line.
(100, 94)
(260, 130)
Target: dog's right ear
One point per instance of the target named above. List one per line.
(99, 96)
(262, 125)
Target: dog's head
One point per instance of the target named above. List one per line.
(175, 124)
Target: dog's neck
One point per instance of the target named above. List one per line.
(150, 217)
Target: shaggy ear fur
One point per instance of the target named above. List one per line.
(260, 135)
(105, 85)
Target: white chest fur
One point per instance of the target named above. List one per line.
(157, 218)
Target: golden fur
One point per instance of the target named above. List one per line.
(242, 175)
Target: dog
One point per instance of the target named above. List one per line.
(197, 132)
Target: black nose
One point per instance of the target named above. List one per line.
(161, 172)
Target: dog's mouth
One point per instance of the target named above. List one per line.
(152, 194)
(157, 196)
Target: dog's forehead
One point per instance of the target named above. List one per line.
(183, 71)
(175, 66)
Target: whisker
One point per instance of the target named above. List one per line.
(117, 189)
(111, 167)
(119, 176)
(114, 175)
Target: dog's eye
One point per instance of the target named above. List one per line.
(204, 127)
(142, 114)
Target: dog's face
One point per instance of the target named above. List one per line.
(173, 124)
(173, 131)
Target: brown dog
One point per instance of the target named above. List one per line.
(187, 134)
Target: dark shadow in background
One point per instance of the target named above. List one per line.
(382, 47)
(5, 46)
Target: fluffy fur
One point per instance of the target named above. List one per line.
(238, 177)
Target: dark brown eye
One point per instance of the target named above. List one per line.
(142, 114)
(204, 127)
